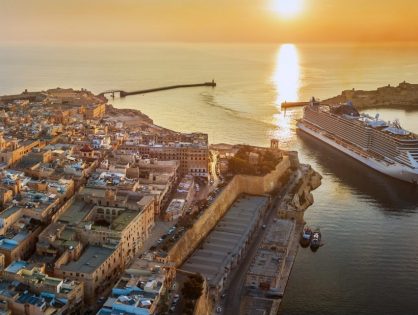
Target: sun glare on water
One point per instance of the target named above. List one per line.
(286, 76)
(287, 8)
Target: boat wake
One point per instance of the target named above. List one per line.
(209, 99)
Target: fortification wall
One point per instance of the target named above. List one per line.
(204, 303)
(240, 184)
(294, 205)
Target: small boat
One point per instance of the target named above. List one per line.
(305, 238)
(315, 240)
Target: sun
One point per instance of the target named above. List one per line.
(287, 8)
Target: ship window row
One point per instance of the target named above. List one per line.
(377, 142)
(381, 148)
(354, 123)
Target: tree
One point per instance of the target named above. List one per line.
(240, 166)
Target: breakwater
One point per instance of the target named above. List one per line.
(293, 104)
(123, 93)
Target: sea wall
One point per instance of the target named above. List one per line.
(294, 204)
(240, 184)
(310, 181)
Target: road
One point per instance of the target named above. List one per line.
(235, 287)
(160, 228)
(205, 190)
(213, 167)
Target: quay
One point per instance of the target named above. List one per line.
(123, 93)
(293, 104)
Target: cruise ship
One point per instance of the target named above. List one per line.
(381, 145)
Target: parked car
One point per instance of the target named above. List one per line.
(171, 230)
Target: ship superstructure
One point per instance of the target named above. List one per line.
(383, 146)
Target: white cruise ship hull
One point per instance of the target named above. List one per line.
(395, 170)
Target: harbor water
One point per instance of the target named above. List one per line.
(369, 222)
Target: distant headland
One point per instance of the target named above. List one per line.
(404, 95)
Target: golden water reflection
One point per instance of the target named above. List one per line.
(286, 79)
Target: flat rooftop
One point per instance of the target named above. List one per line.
(266, 263)
(76, 212)
(15, 266)
(227, 239)
(278, 233)
(9, 211)
(123, 219)
(90, 260)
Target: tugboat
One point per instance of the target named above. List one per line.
(315, 240)
(305, 238)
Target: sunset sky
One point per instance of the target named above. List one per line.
(209, 20)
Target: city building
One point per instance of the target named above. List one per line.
(16, 150)
(69, 293)
(19, 240)
(97, 267)
(193, 156)
(140, 288)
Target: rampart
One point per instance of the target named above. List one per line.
(240, 184)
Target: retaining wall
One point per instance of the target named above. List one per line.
(240, 184)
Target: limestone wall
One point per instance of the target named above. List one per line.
(240, 184)
(204, 303)
(310, 181)
(294, 205)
